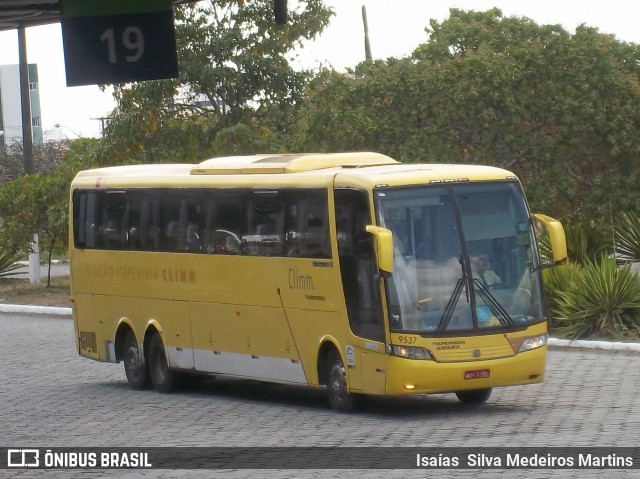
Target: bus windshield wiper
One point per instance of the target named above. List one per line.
(494, 304)
(484, 293)
(451, 305)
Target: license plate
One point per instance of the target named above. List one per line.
(478, 374)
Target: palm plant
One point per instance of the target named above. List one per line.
(586, 243)
(627, 231)
(561, 278)
(8, 262)
(605, 302)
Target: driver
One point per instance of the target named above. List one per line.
(488, 278)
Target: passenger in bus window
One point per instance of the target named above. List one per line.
(225, 242)
(488, 278)
(193, 238)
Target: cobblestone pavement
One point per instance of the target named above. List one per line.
(50, 397)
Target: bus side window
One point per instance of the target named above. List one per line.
(85, 219)
(358, 265)
(222, 222)
(307, 224)
(144, 225)
(114, 219)
(265, 225)
(180, 220)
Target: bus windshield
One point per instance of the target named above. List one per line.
(464, 258)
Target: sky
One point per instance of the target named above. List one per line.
(395, 29)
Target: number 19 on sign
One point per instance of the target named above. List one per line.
(132, 39)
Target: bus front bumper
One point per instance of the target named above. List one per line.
(411, 376)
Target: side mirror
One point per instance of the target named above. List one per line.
(384, 248)
(555, 233)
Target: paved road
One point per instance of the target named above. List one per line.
(52, 398)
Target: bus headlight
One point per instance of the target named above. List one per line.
(533, 343)
(411, 352)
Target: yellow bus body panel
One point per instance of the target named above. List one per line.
(406, 376)
(495, 354)
(268, 317)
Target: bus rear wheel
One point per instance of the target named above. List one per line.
(134, 367)
(164, 380)
(477, 396)
(337, 389)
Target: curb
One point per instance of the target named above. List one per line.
(555, 342)
(28, 309)
(604, 345)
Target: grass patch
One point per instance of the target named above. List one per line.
(20, 291)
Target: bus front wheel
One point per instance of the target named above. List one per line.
(339, 396)
(134, 367)
(477, 396)
(164, 380)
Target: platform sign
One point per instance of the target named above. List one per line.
(118, 41)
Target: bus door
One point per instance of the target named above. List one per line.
(365, 356)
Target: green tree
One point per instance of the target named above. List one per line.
(235, 68)
(46, 157)
(561, 110)
(39, 203)
(30, 204)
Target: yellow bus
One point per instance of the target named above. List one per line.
(348, 271)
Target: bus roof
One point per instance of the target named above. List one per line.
(288, 163)
(363, 168)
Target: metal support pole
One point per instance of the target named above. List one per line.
(25, 100)
(27, 143)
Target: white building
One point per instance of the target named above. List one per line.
(11, 108)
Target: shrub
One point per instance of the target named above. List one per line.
(586, 243)
(603, 302)
(561, 278)
(627, 231)
(8, 262)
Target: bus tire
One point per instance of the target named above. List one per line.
(474, 397)
(337, 389)
(164, 379)
(134, 366)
